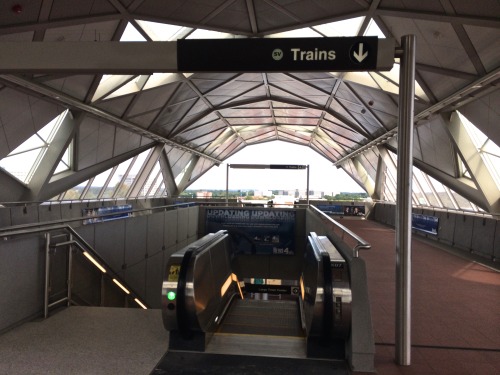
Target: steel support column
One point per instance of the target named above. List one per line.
(403, 210)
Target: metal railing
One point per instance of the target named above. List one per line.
(79, 242)
(361, 244)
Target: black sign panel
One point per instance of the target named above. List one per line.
(281, 55)
(287, 166)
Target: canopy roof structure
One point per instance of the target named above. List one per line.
(155, 133)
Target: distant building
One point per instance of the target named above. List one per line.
(203, 194)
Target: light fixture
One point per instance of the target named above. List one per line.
(121, 286)
(140, 304)
(89, 257)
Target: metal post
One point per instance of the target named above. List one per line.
(70, 273)
(403, 207)
(47, 276)
(307, 187)
(227, 185)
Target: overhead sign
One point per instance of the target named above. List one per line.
(267, 166)
(283, 55)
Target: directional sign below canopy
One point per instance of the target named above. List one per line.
(283, 55)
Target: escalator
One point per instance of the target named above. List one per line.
(217, 327)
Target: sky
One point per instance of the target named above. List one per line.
(323, 176)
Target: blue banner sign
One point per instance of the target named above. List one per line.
(424, 223)
(255, 231)
(111, 212)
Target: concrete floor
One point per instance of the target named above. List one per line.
(86, 340)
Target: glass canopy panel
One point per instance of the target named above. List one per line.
(23, 160)
(109, 83)
(152, 182)
(348, 27)
(374, 30)
(20, 165)
(463, 203)
(249, 120)
(163, 32)
(297, 120)
(443, 192)
(65, 162)
(75, 192)
(209, 34)
(393, 76)
(427, 189)
(115, 180)
(362, 78)
(489, 151)
(97, 185)
(131, 34)
(161, 192)
(130, 178)
(306, 32)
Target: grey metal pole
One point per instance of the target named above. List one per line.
(403, 207)
(47, 276)
(70, 266)
(307, 187)
(227, 185)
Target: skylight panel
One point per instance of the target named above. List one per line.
(393, 76)
(131, 34)
(179, 177)
(65, 162)
(349, 27)
(209, 34)
(489, 151)
(163, 32)
(374, 30)
(23, 161)
(159, 79)
(109, 83)
(306, 32)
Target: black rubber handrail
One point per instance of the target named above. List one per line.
(183, 321)
(327, 297)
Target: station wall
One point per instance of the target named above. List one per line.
(466, 233)
(136, 248)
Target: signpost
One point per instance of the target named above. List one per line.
(200, 55)
(285, 55)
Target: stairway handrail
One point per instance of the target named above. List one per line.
(361, 243)
(80, 242)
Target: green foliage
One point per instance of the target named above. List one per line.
(344, 196)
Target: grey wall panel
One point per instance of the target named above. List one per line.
(446, 229)
(463, 232)
(155, 235)
(483, 235)
(182, 225)
(88, 233)
(24, 215)
(154, 280)
(193, 213)
(49, 212)
(170, 234)
(135, 239)
(135, 277)
(5, 220)
(22, 265)
(110, 242)
(496, 243)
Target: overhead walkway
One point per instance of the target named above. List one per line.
(448, 292)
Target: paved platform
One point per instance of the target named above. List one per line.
(86, 340)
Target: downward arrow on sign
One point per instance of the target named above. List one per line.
(360, 56)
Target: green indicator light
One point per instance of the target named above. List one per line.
(171, 296)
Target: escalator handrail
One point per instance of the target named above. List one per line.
(327, 296)
(183, 320)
